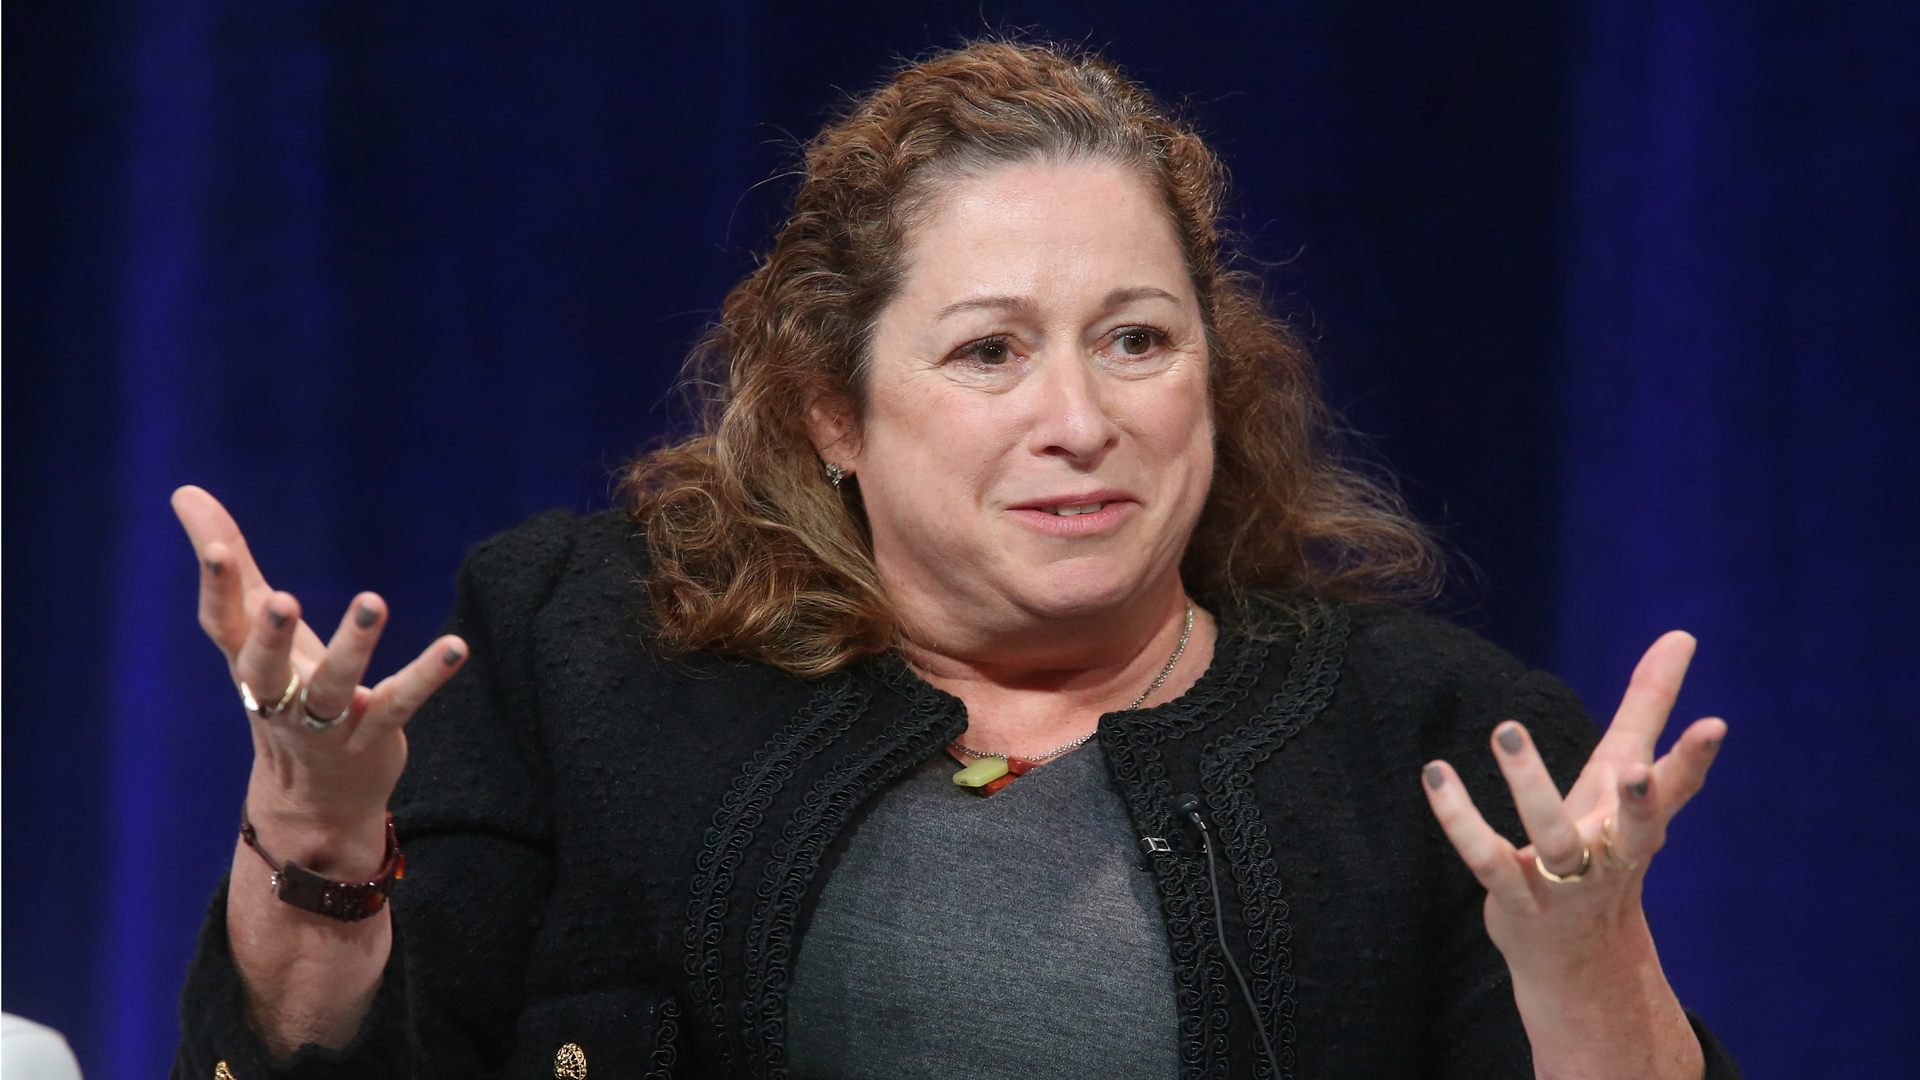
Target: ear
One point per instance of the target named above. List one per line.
(830, 425)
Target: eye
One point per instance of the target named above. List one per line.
(991, 352)
(1137, 341)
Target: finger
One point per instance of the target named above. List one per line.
(1651, 794)
(223, 609)
(1486, 852)
(265, 661)
(1644, 708)
(224, 556)
(1543, 814)
(1640, 829)
(207, 522)
(399, 695)
(330, 686)
(1683, 771)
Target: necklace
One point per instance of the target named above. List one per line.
(991, 772)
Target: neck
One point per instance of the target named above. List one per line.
(1028, 700)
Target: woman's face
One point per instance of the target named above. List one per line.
(1037, 442)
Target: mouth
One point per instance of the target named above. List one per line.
(1082, 513)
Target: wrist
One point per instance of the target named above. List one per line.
(1607, 1012)
(346, 901)
(346, 847)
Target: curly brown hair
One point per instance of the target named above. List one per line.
(755, 554)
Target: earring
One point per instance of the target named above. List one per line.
(835, 474)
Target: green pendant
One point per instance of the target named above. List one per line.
(982, 772)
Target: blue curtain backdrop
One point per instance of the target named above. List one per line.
(1627, 292)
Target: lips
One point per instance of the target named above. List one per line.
(1077, 514)
(1076, 503)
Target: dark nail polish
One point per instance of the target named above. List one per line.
(275, 619)
(364, 616)
(1509, 738)
(214, 568)
(1638, 790)
(450, 657)
(1435, 776)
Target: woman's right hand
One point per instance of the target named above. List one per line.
(331, 780)
(316, 796)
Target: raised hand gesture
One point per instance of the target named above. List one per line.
(327, 752)
(1565, 909)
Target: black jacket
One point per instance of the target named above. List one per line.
(618, 852)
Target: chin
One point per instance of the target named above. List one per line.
(1082, 591)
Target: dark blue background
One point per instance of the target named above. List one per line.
(1627, 292)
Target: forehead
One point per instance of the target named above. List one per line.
(1042, 226)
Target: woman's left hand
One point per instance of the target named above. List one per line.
(1585, 974)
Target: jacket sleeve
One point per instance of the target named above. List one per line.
(471, 811)
(1477, 1030)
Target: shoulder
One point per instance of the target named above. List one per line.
(521, 568)
(1408, 676)
(1410, 651)
(1396, 642)
(1445, 684)
(1385, 640)
(543, 546)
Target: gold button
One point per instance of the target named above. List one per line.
(570, 1063)
(221, 1072)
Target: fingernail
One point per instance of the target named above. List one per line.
(276, 619)
(1638, 789)
(1435, 776)
(450, 657)
(1509, 738)
(215, 568)
(364, 616)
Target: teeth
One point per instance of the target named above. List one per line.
(1075, 511)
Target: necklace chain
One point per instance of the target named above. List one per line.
(1186, 631)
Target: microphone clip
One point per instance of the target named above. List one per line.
(1188, 806)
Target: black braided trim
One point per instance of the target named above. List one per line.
(1226, 776)
(666, 1041)
(931, 720)
(1132, 744)
(828, 713)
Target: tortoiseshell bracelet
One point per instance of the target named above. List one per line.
(347, 901)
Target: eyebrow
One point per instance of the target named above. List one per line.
(978, 303)
(1020, 304)
(1118, 297)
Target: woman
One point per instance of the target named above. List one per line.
(1008, 488)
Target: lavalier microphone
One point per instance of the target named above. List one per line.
(1189, 804)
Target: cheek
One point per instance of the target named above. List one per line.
(907, 424)
(1179, 425)
(926, 446)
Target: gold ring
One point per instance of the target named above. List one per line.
(253, 704)
(1608, 856)
(1586, 860)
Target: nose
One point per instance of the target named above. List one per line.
(1070, 418)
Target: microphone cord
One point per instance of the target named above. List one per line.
(1191, 805)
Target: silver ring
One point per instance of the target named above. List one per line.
(316, 723)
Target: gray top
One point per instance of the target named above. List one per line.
(1012, 936)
